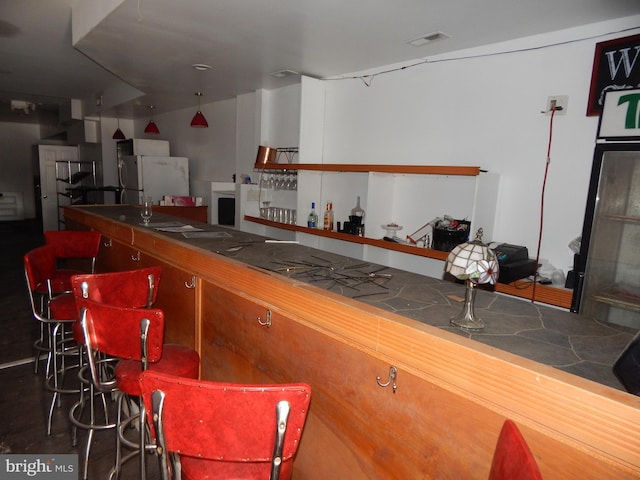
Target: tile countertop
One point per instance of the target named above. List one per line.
(558, 338)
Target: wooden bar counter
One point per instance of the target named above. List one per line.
(451, 395)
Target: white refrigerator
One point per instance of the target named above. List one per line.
(150, 175)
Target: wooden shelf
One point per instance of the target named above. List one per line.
(365, 168)
(559, 297)
(398, 247)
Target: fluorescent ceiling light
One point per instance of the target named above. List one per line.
(284, 73)
(428, 38)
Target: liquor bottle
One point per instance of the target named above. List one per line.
(328, 217)
(312, 219)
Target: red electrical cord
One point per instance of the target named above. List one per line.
(544, 185)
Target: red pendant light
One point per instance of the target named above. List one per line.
(198, 120)
(118, 135)
(151, 126)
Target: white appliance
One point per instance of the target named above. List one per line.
(150, 175)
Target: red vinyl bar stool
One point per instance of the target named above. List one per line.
(130, 288)
(512, 459)
(76, 252)
(126, 342)
(70, 246)
(208, 430)
(56, 315)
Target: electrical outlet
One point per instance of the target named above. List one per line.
(253, 195)
(561, 101)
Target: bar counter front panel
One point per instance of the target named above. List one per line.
(264, 312)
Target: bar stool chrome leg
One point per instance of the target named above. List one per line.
(88, 398)
(62, 346)
(130, 416)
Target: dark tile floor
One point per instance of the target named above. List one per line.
(23, 398)
(18, 328)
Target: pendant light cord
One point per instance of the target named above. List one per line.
(544, 185)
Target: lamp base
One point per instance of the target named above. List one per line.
(466, 319)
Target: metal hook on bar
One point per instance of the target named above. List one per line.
(136, 257)
(192, 284)
(267, 322)
(393, 373)
(108, 244)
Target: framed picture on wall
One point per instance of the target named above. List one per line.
(616, 66)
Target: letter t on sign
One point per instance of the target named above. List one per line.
(632, 119)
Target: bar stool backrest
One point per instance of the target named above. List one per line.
(129, 288)
(512, 459)
(75, 244)
(226, 430)
(111, 330)
(39, 268)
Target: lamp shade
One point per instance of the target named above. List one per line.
(473, 261)
(199, 121)
(118, 135)
(151, 128)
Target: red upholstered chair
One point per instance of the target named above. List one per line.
(56, 315)
(132, 341)
(207, 430)
(130, 288)
(75, 251)
(512, 459)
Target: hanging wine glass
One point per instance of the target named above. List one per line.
(288, 182)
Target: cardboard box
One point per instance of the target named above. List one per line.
(181, 201)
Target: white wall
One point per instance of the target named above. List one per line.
(485, 111)
(283, 117)
(248, 131)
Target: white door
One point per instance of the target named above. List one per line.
(47, 156)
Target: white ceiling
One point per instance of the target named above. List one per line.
(151, 45)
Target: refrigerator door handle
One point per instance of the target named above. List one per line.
(120, 176)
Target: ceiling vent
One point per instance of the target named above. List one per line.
(428, 38)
